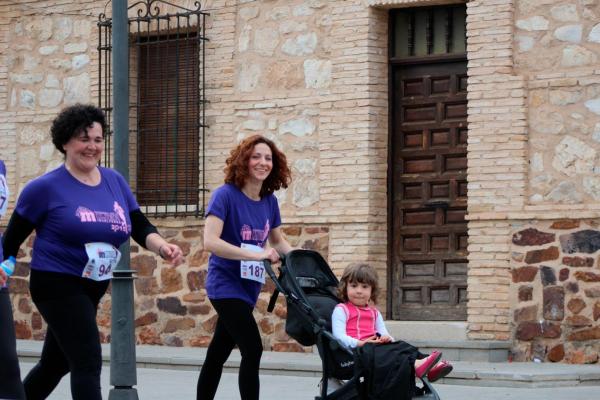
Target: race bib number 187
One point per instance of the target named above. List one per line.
(252, 270)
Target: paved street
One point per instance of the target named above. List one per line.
(162, 384)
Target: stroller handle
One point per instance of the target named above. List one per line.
(271, 273)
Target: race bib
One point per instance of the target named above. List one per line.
(102, 259)
(3, 195)
(252, 270)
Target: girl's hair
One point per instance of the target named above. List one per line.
(361, 273)
(74, 120)
(236, 166)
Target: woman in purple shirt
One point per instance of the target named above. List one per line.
(10, 375)
(81, 213)
(242, 216)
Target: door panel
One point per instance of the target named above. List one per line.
(429, 191)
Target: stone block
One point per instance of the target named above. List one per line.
(146, 319)
(578, 321)
(565, 224)
(22, 330)
(585, 334)
(171, 280)
(586, 241)
(528, 313)
(556, 353)
(532, 237)
(171, 305)
(575, 305)
(554, 303)
(586, 276)
(179, 324)
(572, 287)
(524, 274)
(144, 265)
(148, 335)
(578, 261)
(593, 292)
(525, 293)
(547, 275)
(563, 274)
(537, 256)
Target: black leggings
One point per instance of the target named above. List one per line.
(10, 375)
(68, 304)
(235, 326)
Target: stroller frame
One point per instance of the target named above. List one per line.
(324, 339)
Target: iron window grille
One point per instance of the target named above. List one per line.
(167, 106)
(428, 31)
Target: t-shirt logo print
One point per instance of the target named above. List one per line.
(258, 235)
(116, 219)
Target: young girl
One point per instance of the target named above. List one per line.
(355, 322)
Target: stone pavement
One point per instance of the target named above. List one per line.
(171, 373)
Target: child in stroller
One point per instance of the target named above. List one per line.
(310, 289)
(356, 323)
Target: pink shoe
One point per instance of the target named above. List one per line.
(427, 364)
(439, 371)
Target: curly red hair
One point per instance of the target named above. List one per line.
(236, 166)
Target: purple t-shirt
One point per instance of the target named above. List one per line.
(244, 221)
(67, 214)
(3, 198)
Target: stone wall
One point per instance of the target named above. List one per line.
(557, 47)
(555, 275)
(171, 304)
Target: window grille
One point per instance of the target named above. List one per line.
(428, 31)
(167, 106)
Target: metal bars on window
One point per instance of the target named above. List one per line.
(167, 105)
(428, 31)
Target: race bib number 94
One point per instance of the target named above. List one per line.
(102, 259)
(252, 270)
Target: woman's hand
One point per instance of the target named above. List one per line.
(270, 254)
(171, 253)
(3, 277)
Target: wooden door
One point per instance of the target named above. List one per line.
(429, 191)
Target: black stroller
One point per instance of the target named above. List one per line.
(309, 287)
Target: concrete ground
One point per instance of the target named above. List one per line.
(173, 384)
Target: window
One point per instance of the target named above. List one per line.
(166, 110)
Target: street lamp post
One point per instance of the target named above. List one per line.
(122, 341)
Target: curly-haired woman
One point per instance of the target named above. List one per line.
(81, 213)
(242, 216)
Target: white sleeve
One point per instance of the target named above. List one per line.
(380, 326)
(338, 327)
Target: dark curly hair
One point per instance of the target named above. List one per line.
(236, 166)
(361, 273)
(74, 120)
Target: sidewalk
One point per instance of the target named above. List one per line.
(512, 375)
(170, 384)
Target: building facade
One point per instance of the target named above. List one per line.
(453, 145)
